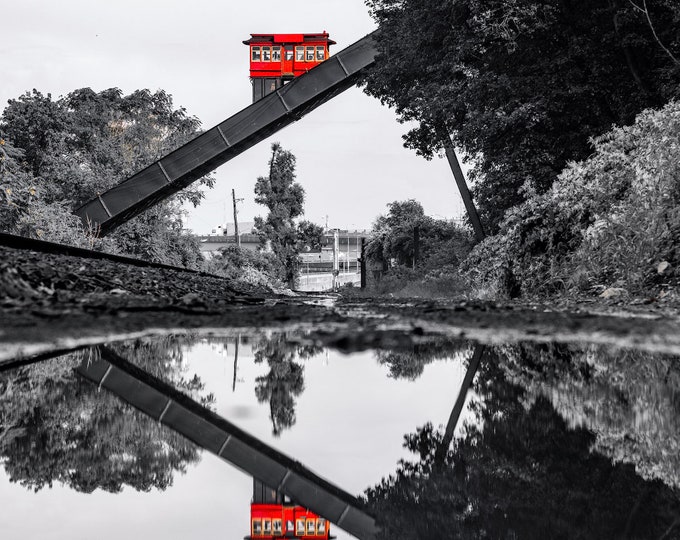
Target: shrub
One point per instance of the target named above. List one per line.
(251, 267)
(607, 221)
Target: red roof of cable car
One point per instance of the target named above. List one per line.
(322, 37)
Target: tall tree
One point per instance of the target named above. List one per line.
(86, 142)
(284, 381)
(284, 198)
(521, 86)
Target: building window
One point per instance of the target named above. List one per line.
(255, 54)
(300, 527)
(310, 527)
(257, 527)
(320, 53)
(277, 527)
(300, 54)
(267, 527)
(266, 54)
(276, 54)
(310, 54)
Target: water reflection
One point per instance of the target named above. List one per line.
(56, 428)
(285, 379)
(563, 441)
(530, 467)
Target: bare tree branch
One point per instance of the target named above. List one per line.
(644, 9)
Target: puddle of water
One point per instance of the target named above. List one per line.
(440, 439)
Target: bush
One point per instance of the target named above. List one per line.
(250, 267)
(607, 221)
(442, 246)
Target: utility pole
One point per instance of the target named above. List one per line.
(336, 258)
(237, 237)
(233, 384)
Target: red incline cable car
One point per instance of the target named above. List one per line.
(273, 516)
(278, 58)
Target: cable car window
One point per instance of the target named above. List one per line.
(289, 54)
(267, 527)
(277, 527)
(266, 54)
(276, 54)
(320, 53)
(310, 54)
(300, 54)
(310, 527)
(257, 527)
(300, 527)
(320, 527)
(256, 54)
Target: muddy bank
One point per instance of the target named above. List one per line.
(52, 301)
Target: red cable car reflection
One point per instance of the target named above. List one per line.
(278, 58)
(273, 516)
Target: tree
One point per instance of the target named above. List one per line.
(284, 198)
(519, 472)
(86, 142)
(440, 243)
(392, 234)
(520, 86)
(310, 236)
(409, 363)
(282, 384)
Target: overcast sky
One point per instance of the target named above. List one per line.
(351, 161)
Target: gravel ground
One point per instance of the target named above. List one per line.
(55, 302)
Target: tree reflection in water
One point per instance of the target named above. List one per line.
(521, 470)
(410, 363)
(55, 427)
(285, 379)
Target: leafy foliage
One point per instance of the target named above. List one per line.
(310, 236)
(55, 427)
(410, 364)
(441, 247)
(609, 220)
(68, 150)
(519, 472)
(284, 381)
(393, 239)
(628, 399)
(520, 86)
(255, 268)
(284, 198)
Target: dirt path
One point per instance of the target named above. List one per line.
(56, 302)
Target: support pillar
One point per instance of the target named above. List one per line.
(440, 453)
(463, 188)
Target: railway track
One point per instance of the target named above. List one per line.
(42, 246)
